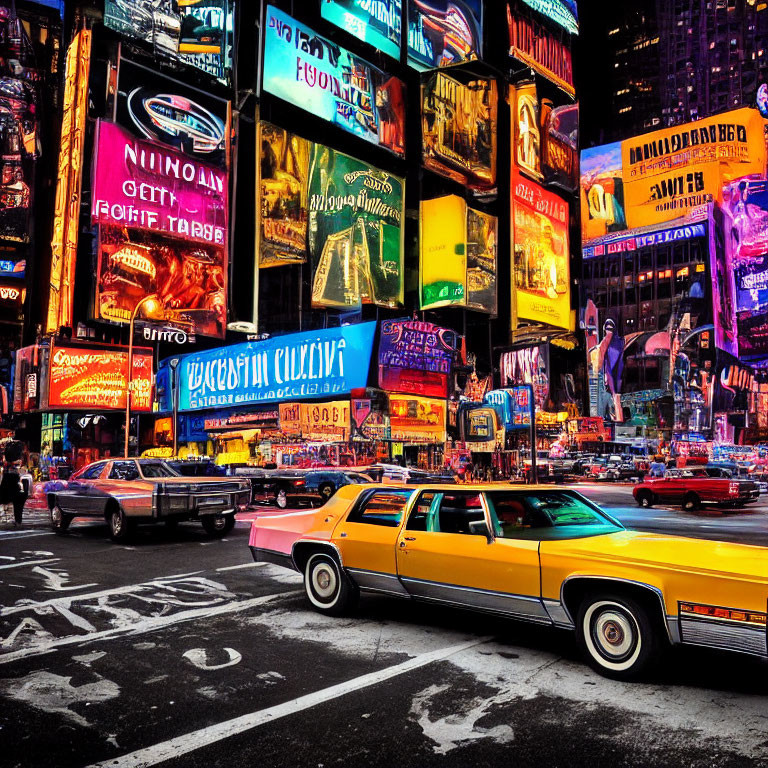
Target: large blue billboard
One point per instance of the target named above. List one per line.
(318, 364)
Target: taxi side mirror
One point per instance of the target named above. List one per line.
(480, 528)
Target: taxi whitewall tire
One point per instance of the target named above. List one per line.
(327, 586)
(617, 636)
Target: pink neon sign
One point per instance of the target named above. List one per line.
(146, 185)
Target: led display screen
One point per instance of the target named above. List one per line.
(602, 192)
(329, 81)
(97, 378)
(195, 32)
(723, 287)
(416, 357)
(417, 419)
(541, 267)
(283, 196)
(527, 366)
(355, 232)
(160, 108)
(298, 366)
(562, 12)
(526, 130)
(560, 145)
(535, 45)
(459, 129)
(377, 22)
(444, 32)
(328, 422)
(458, 255)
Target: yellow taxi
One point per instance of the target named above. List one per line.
(544, 554)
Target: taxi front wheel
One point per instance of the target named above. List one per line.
(328, 588)
(617, 636)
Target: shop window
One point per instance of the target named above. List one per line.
(385, 508)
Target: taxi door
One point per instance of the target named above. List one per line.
(367, 539)
(447, 551)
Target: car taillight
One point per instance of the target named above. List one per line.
(299, 483)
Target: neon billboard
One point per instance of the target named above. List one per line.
(444, 32)
(376, 22)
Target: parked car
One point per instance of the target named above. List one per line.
(619, 468)
(398, 474)
(125, 492)
(536, 553)
(197, 467)
(692, 487)
(284, 487)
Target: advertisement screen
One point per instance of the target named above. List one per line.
(444, 32)
(527, 366)
(297, 366)
(560, 145)
(459, 130)
(458, 255)
(541, 268)
(416, 357)
(535, 45)
(602, 192)
(525, 126)
(329, 81)
(146, 185)
(195, 32)
(97, 378)
(377, 22)
(355, 232)
(188, 278)
(562, 12)
(328, 422)
(283, 196)
(417, 419)
(156, 107)
(745, 222)
(723, 285)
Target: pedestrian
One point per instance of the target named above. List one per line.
(11, 489)
(469, 472)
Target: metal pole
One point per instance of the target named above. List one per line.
(174, 372)
(129, 380)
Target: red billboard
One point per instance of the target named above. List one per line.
(95, 378)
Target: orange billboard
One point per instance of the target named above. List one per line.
(68, 188)
(95, 378)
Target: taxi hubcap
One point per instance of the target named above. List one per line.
(614, 633)
(324, 582)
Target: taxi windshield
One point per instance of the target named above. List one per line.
(157, 469)
(561, 508)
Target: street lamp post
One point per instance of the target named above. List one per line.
(153, 305)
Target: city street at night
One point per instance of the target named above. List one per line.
(175, 650)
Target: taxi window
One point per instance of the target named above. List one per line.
(124, 470)
(561, 508)
(384, 508)
(447, 512)
(91, 473)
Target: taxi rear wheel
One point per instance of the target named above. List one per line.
(328, 588)
(617, 636)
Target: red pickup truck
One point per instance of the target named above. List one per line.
(693, 487)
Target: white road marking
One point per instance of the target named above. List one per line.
(55, 581)
(30, 562)
(238, 567)
(149, 624)
(182, 745)
(23, 534)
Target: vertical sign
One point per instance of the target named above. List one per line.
(67, 213)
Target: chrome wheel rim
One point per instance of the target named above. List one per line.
(614, 634)
(324, 582)
(219, 523)
(56, 516)
(117, 523)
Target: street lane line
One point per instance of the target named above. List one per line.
(238, 567)
(30, 562)
(182, 745)
(23, 534)
(148, 624)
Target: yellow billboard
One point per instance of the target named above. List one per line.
(324, 422)
(541, 284)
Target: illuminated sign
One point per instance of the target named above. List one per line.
(196, 32)
(160, 108)
(258, 420)
(25, 381)
(723, 296)
(458, 255)
(416, 357)
(527, 366)
(444, 32)
(355, 232)
(316, 421)
(512, 405)
(11, 294)
(762, 99)
(532, 43)
(459, 129)
(417, 419)
(541, 266)
(282, 196)
(377, 22)
(67, 211)
(145, 185)
(14, 269)
(560, 145)
(562, 12)
(526, 130)
(329, 81)
(96, 378)
(297, 366)
(188, 278)
(602, 192)
(630, 243)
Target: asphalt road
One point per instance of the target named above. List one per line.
(177, 651)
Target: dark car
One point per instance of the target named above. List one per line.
(197, 468)
(284, 487)
(398, 474)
